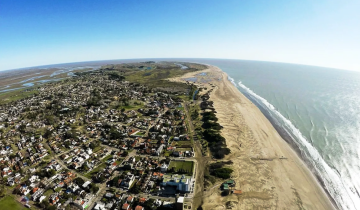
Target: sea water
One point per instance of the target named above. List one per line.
(317, 110)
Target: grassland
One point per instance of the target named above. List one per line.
(182, 143)
(15, 95)
(155, 75)
(10, 203)
(185, 166)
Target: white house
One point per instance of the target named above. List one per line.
(164, 167)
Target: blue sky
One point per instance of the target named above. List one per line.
(322, 32)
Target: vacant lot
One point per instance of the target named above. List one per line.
(9, 203)
(96, 170)
(183, 149)
(182, 144)
(182, 166)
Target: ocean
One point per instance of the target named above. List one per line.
(315, 109)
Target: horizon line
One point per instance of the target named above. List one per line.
(42, 65)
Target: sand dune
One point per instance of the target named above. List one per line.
(267, 180)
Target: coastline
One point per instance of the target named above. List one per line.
(291, 142)
(266, 168)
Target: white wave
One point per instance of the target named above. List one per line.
(333, 183)
(232, 81)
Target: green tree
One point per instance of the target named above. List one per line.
(2, 191)
(79, 181)
(136, 189)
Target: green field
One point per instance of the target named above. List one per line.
(9, 203)
(183, 149)
(156, 77)
(15, 95)
(182, 143)
(185, 166)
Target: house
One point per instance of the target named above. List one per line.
(6, 171)
(127, 182)
(159, 150)
(157, 175)
(139, 207)
(230, 182)
(164, 167)
(130, 199)
(41, 198)
(100, 206)
(86, 184)
(34, 178)
(109, 205)
(237, 192)
(125, 206)
(89, 151)
(109, 195)
(84, 202)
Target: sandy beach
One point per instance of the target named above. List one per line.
(266, 168)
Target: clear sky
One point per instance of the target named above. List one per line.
(314, 32)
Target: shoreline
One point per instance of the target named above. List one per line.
(276, 183)
(290, 141)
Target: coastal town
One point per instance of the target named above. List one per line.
(98, 141)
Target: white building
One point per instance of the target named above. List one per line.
(164, 167)
(127, 182)
(181, 182)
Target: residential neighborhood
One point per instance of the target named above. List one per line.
(97, 141)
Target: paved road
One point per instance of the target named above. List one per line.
(199, 170)
(102, 190)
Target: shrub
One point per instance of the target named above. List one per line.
(223, 173)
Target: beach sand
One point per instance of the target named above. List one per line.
(266, 169)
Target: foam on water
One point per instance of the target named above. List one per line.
(232, 81)
(330, 178)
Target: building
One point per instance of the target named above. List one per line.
(125, 206)
(86, 184)
(164, 167)
(181, 182)
(100, 206)
(237, 192)
(127, 182)
(139, 207)
(160, 149)
(230, 182)
(179, 203)
(83, 203)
